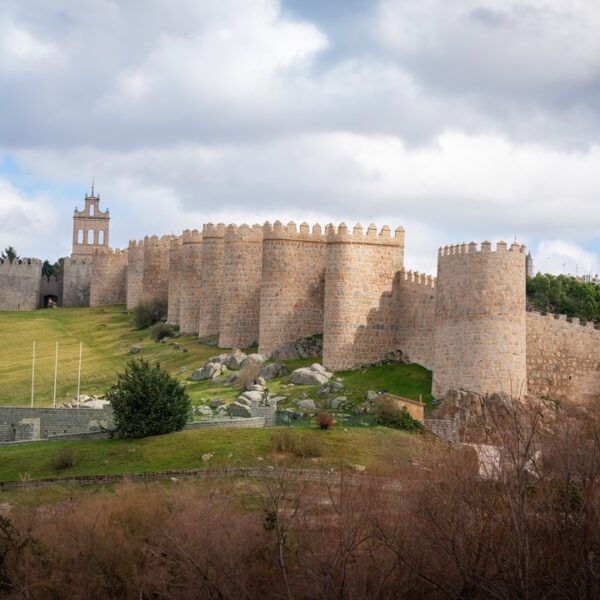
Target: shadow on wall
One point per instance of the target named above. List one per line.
(381, 332)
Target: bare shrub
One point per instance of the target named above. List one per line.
(149, 311)
(325, 421)
(529, 530)
(66, 458)
(298, 444)
(247, 375)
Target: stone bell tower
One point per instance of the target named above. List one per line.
(90, 227)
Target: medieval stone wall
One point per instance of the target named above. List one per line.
(293, 284)
(242, 278)
(563, 358)
(480, 341)
(191, 282)
(155, 282)
(77, 280)
(51, 287)
(211, 281)
(135, 273)
(174, 281)
(109, 277)
(360, 319)
(20, 284)
(415, 307)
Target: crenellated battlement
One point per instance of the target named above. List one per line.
(191, 236)
(155, 241)
(105, 251)
(244, 233)
(279, 231)
(574, 321)
(21, 263)
(484, 247)
(418, 278)
(78, 260)
(358, 235)
(210, 230)
(136, 243)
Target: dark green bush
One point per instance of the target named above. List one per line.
(160, 331)
(150, 311)
(147, 401)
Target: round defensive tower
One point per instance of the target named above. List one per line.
(480, 331)
(211, 281)
(135, 273)
(189, 282)
(293, 284)
(156, 267)
(360, 320)
(174, 281)
(242, 274)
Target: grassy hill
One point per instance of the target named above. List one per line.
(378, 448)
(108, 334)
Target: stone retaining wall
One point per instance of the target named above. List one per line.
(27, 424)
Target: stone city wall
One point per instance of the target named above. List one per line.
(174, 281)
(109, 277)
(190, 282)
(77, 280)
(51, 287)
(155, 283)
(242, 277)
(135, 273)
(20, 284)
(563, 358)
(416, 316)
(20, 424)
(293, 284)
(211, 280)
(360, 319)
(480, 340)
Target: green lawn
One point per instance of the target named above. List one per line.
(107, 335)
(378, 448)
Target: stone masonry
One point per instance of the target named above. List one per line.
(20, 283)
(278, 283)
(174, 298)
(563, 357)
(77, 281)
(19, 424)
(293, 284)
(211, 280)
(190, 281)
(360, 321)
(109, 277)
(479, 340)
(135, 273)
(242, 278)
(155, 283)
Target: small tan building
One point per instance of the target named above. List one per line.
(415, 409)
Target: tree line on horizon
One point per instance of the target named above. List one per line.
(564, 294)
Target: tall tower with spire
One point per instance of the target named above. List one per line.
(90, 226)
(529, 265)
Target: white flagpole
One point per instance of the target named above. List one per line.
(79, 372)
(55, 375)
(33, 376)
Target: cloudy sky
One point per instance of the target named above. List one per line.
(462, 120)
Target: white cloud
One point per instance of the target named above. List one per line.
(28, 223)
(461, 188)
(558, 256)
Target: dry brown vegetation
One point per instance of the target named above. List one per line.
(438, 530)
